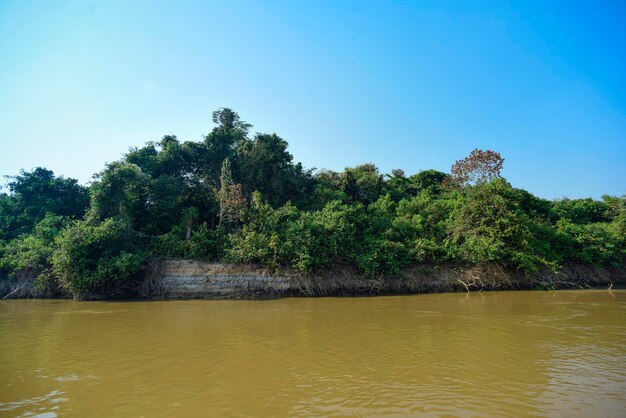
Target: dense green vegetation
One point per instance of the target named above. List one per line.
(241, 198)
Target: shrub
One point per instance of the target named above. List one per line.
(97, 257)
(30, 255)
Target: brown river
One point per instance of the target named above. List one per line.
(558, 354)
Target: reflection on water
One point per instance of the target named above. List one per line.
(485, 354)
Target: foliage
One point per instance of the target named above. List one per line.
(30, 255)
(363, 183)
(477, 169)
(490, 226)
(121, 189)
(582, 211)
(97, 257)
(33, 195)
(265, 165)
(205, 244)
(243, 199)
(429, 180)
(594, 243)
(230, 197)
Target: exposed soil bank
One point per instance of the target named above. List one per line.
(185, 279)
(181, 279)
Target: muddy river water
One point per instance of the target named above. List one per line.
(481, 354)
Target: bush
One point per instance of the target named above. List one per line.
(204, 244)
(490, 226)
(595, 243)
(30, 255)
(381, 256)
(98, 257)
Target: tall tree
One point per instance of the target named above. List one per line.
(35, 193)
(190, 218)
(229, 120)
(230, 197)
(121, 189)
(363, 183)
(480, 167)
(266, 166)
(222, 142)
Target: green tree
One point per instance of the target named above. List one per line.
(265, 165)
(190, 218)
(429, 180)
(363, 183)
(582, 211)
(33, 195)
(222, 142)
(30, 255)
(121, 189)
(98, 258)
(230, 197)
(490, 226)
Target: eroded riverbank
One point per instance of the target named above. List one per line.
(189, 279)
(186, 279)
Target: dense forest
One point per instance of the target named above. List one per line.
(240, 198)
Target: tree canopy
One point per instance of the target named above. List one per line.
(241, 198)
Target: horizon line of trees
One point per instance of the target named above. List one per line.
(241, 198)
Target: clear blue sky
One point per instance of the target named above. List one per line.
(412, 85)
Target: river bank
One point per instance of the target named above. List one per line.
(188, 279)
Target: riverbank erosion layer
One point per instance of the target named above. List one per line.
(186, 279)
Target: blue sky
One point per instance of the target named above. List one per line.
(403, 84)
